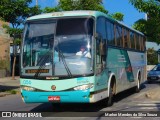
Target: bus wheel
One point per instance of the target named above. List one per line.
(137, 89)
(110, 98)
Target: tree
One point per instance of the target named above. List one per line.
(49, 9)
(68, 5)
(151, 26)
(118, 16)
(152, 58)
(82, 5)
(15, 12)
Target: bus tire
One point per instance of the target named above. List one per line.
(112, 91)
(110, 97)
(137, 88)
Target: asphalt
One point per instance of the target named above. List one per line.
(9, 86)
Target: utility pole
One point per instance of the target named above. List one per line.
(145, 16)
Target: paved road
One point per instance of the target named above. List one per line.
(125, 101)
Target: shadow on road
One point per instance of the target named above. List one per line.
(153, 82)
(127, 93)
(79, 107)
(69, 107)
(4, 88)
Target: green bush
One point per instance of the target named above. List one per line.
(152, 56)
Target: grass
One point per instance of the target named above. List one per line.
(12, 91)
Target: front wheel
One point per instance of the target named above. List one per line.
(110, 98)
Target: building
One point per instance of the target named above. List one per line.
(4, 51)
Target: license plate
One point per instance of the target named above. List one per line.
(54, 98)
(153, 78)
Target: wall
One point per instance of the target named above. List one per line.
(149, 67)
(4, 51)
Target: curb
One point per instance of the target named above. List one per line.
(2, 94)
(5, 93)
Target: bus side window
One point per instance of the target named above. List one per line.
(119, 36)
(100, 50)
(101, 38)
(132, 40)
(98, 39)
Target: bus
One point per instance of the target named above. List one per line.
(54, 70)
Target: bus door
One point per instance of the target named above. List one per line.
(101, 71)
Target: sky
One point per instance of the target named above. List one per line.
(131, 14)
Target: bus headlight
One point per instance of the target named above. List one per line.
(27, 88)
(84, 87)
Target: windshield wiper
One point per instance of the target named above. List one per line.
(60, 54)
(64, 63)
(42, 64)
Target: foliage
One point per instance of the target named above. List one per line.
(82, 5)
(140, 25)
(69, 5)
(12, 91)
(118, 16)
(152, 58)
(49, 9)
(14, 32)
(151, 26)
(15, 12)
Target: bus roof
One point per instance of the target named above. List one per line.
(78, 13)
(64, 14)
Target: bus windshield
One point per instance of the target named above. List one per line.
(57, 47)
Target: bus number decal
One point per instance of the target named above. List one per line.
(27, 82)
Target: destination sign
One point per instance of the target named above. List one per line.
(37, 70)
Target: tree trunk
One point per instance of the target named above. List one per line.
(13, 68)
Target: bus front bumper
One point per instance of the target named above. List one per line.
(64, 97)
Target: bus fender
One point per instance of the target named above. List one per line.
(109, 81)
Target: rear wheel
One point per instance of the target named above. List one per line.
(137, 89)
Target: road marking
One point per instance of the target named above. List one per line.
(156, 102)
(148, 104)
(149, 108)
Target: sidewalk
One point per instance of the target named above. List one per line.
(9, 86)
